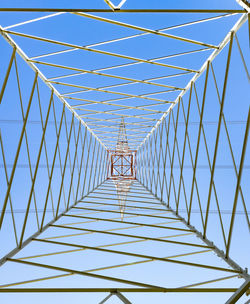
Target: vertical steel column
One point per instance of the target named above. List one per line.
(198, 142)
(140, 165)
(237, 295)
(65, 164)
(230, 147)
(151, 160)
(81, 162)
(243, 153)
(91, 168)
(165, 158)
(108, 167)
(102, 164)
(52, 168)
(59, 152)
(17, 152)
(26, 136)
(100, 167)
(103, 175)
(159, 161)
(105, 165)
(13, 56)
(149, 148)
(155, 135)
(36, 170)
(184, 143)
(144, 164)
(175, 125)
(192, 162)
(74, 161)
(86, 165)
(45, 147)
(69, 156)
(7, 182)
(218, 130)
(179, 160)
(96, 164)
(210, 168)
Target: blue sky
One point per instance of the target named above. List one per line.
(84, 31)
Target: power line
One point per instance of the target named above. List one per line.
(19, 121)
(44, 166)
(181, 210)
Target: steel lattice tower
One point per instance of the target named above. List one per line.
(124, 154)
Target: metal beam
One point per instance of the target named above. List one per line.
(43, 78)
(94, 10)
(239, 293)
(215, 53)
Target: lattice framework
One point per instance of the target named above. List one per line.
(76, 172)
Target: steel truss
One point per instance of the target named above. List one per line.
(69, 211)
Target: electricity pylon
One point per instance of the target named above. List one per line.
(156, 210)
(122, 167)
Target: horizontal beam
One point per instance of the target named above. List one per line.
(109, 92)
(145, 30)
(70, 10)
(160, 239)
(129, 223)
(127, 195)
(64, 290)
(74, 46)
(91, 102)
(24, 56)
(128, 254)
(237, 295)
(127, 206)
(132, 80)
(136, 36)
(83, 273)
(127, 200)
(217, 251)
(210, 59)
(125, 212)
